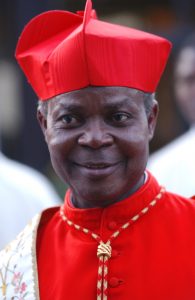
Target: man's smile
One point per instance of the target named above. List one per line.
(96, 165)
(97, 169)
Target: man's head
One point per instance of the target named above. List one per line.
(98, 140)
(98, 80)
(184, 74)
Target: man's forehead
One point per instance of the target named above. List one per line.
(107, 95)
(104, 92)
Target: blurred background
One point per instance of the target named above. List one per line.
(21, 137)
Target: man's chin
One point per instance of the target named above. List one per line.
(97, 195)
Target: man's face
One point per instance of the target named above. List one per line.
(185, 83)
(98, 142)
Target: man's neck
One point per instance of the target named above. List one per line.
(136, 187)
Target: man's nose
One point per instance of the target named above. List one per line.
(96, 136)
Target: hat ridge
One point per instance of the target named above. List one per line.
(87, 13)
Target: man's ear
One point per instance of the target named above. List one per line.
(152, 118)
(42, 119)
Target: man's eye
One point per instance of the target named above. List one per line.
(68, 119)
(120, 117)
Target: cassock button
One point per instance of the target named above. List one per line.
(112, 225)
(114, 282)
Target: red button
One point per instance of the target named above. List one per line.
(114, 282)
(112, 225)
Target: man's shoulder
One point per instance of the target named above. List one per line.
(181, 204)
(30, 230)
(17, 263)
(22, 237)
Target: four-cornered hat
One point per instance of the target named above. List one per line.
(61, 51)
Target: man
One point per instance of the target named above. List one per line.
(164, 163)
(20, 202)
(119, 235)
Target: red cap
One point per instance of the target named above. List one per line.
(60, 52)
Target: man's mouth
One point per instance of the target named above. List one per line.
(97, 165)
(97, 169)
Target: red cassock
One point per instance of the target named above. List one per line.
(154, 258)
